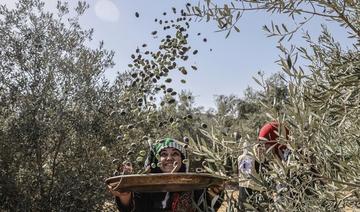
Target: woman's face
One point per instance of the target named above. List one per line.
(170, 159)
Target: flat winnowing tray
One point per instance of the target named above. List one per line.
(164, 182)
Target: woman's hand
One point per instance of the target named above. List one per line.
(124, 197)
(117, 193)
(216, 190)
(127, 168)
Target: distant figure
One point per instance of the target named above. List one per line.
(166, 156)
(249, 168)
(270, 133)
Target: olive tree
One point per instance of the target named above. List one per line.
(52, 97)
(320, 102)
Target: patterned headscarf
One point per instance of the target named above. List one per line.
(169, 142)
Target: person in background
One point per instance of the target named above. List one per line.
(269, 135)
(249, 167)
(167, 156)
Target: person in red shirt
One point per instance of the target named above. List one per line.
(269, 140)
(269, 134)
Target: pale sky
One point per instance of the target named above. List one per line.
(227, 69)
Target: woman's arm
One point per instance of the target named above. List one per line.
(204, 198)
(216, 191)
(123, 198)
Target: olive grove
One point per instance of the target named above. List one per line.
(64, 128)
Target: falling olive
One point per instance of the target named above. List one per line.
(170, 101)
(194, 68)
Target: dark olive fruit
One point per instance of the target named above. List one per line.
(183, 71)
(170, 101)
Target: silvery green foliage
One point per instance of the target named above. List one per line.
(62, 123)
(51, 91)
(64, 129)
(319, 105)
